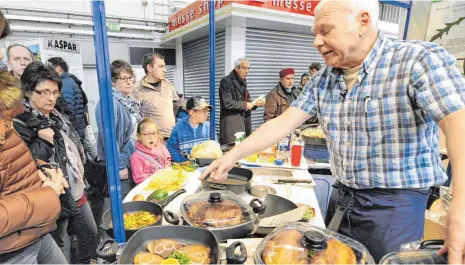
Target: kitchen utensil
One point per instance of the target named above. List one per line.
(292, 181)
(224, 213)
(261, 190)
(275, 205)
(302, 243)
(311, 140)
(427, 254)
(184, 234)
(238, 181)
(286, 217)
(155, 208)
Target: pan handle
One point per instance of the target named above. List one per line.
(232, 258)
(217, 187)
(110, 257)
(258, 206)
(432, 243)
(171, 217)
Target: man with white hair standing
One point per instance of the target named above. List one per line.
(380, 103)
(236, 104)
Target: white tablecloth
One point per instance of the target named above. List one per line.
(295, 193)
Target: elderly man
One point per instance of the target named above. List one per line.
(236, 104)
(380, 110)
(281, 96)
(18, 57)
(157, 96)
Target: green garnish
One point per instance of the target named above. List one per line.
(309, 214)
(181, 257)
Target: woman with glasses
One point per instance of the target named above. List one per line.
(51, 138)
(127, 116)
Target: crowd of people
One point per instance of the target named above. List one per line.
(46, 143)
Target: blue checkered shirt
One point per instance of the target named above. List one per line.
(383, 133)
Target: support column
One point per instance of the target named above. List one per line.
(179, 71)
(234, 46)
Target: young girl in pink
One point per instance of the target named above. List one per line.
(150, 155)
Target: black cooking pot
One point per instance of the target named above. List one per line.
(238, 181)
(155, 208)
(184, 234)
(213, 200)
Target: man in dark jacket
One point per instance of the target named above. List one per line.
(281, 96)
(236, 104)
(72, 94)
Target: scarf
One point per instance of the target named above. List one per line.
(131, 104)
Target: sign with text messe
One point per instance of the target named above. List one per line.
(200, 8)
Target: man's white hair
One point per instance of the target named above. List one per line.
(238, 62)
(370, 6)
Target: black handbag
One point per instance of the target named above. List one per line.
(95, 173)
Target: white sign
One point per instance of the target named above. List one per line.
(70, 51)
(447, 26)
(62, 45)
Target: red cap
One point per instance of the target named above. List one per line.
(287, 71)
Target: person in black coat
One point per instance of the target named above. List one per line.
(72, 94)
(236, 104)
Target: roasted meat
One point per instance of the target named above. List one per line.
(163, 247)
(225, 213)
(147, 258)
(198, 254)
(336, 253)
(286, 248)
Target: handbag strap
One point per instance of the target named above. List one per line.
(151, 159)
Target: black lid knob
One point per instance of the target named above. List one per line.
(314, 240)
(214, 197)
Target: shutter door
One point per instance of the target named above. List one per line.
(196, 62)
(170, 73)
(271, 51)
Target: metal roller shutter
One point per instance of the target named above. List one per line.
(269, 52)
(196, 64)
(170, 73)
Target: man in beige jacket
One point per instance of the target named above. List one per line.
(157, 96)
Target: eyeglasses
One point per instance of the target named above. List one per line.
(125, 79)
(150, 134)
(47, 93)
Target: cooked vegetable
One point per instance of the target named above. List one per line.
(313, 133)
(181, 257)
(139, 219)
(157, 195)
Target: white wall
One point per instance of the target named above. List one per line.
(235, 46)
(419, 18)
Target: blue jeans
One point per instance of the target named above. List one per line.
(43, 251)
(381, 219)
(85, 229)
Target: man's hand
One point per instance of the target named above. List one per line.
(56, 175)
(219, 169)
(455, 240)
(57, 187)
(47, 135)
(124, 174)
(249, 106)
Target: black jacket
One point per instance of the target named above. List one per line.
(28, 125)
(233, 115)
